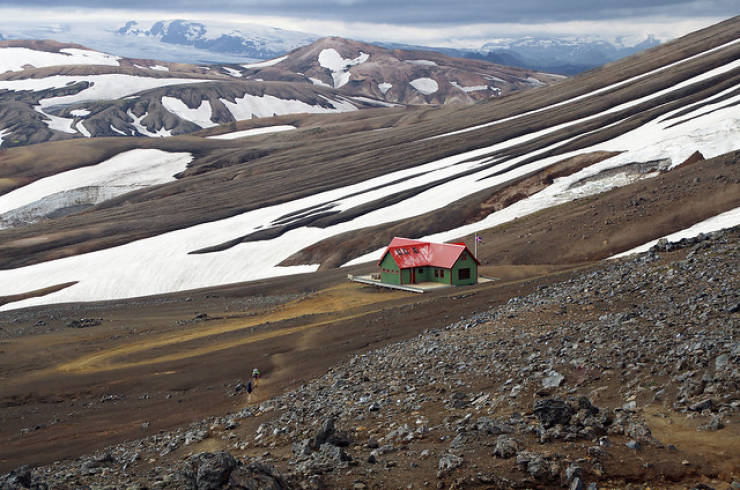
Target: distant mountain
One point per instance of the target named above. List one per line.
(395, 76)
(558, 55)
(253, 41)
(51, 91)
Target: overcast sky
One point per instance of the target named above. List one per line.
(443, 22)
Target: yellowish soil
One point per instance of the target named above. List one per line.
(343, 297)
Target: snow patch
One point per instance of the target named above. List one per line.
(318, 82)
(264, 64)
(252, 132)
(15, 59)
(159, 68)
(422, 62)
(82, 129)
(57, 123)
(3, 132)
(728, 219)
(161, 133)
(200, 115)
(474, 88)
(426, 86)
(231, 71)
(331, 60)
(116, 130)
(384, 87)
(266, 105)
(80, 112)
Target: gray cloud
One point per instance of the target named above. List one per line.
(424, 12)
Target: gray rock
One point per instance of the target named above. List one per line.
(553, 380)
(208, 471)
(506, 447)
(449, 462)
(552, 411)
(721, 362)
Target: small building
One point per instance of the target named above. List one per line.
(407, 261)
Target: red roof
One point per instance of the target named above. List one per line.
(415, 253)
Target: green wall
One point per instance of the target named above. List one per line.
(467, 263)
(389, 264)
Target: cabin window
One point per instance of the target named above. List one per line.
(436, 272)
(421, 270)
(442, 273)
(463, 256)
(463, 274)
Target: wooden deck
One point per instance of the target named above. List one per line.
(416, 288)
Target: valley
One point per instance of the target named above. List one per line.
(165, 228)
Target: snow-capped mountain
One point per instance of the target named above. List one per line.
(560, 55)
(251, 42)
(51, 91)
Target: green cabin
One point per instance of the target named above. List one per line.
(407, 261)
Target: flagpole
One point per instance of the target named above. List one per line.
(475, 240)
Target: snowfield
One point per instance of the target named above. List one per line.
(331, 60)
(138, 168)
(15, 59)
(118, 175)
(385, 87)
(266, 105)
(426, 86)
(162, 263)
(252, 132)
(103, 87)
(200, 115)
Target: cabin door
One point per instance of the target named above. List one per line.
(413, 275)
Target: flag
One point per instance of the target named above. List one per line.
(478, 239)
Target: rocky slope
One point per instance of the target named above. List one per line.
(625, 376)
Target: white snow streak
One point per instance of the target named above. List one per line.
(15, 59)
(80, 127)
(384, 87)
(473, 88)
(231, 71)
(80, 112)
(728, 219)
(252, 132)
(3, 132)
(200, 115)
(422, 62)
(588, 94)
(265, 64)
